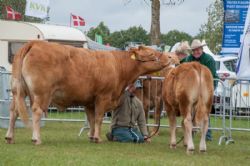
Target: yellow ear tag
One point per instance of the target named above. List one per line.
(133, 56)
(157, 74)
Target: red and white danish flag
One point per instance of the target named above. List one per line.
(77, 20)
(12, 14)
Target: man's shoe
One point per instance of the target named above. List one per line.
(209, 135)
(209, 138)
(109, 136)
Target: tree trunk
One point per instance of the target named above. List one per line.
(155, 22)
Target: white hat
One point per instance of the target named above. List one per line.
(196, 44)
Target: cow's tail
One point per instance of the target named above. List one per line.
(19, 83)
(200, 112)
(200, 109)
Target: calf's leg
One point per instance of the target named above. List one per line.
(13, 116)
(188, 129)
(204, 128)
(185, 134)
(172, 125)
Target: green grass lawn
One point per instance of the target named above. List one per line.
(62, 146)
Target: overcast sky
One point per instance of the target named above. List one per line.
(120, 15)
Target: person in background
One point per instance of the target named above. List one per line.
(182, 51)
(207, 60)
(128, 121)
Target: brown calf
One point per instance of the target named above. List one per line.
(188, 89)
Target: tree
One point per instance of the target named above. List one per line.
(135, 34)
(119, 38)
(175, 36)
(155, 18)
(212, 30)
(155, 22)
(102, 30)
(18, 6)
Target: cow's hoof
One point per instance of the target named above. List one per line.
(9, 140)
(36, 142)
(203, 151)
(97, 140)
(190, 151)
(91, 139)
(172, 146)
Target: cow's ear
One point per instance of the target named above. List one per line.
(145, 53)
(132, 56)
(174, 58)
(142, 47)
(133, 49)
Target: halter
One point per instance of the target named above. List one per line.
(157, 59)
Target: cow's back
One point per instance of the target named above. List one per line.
(67, 74)
(185, 83)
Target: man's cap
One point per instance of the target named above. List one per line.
(196, 44)
(138, 84)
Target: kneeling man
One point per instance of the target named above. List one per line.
(128, 121)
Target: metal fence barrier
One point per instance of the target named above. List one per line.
(239, 114)
(224, 118)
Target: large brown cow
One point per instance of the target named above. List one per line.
(188, 89)
(61, 75)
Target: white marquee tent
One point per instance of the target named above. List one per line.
(243, 67)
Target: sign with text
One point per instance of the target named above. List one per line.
(235, 12)
(37, 8)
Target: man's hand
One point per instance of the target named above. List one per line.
(147, 140)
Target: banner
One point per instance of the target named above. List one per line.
(235, 12)
(37, 8)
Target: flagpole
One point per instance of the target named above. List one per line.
(70, 19)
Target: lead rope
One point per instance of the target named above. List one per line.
(159, 123)
(158, 127)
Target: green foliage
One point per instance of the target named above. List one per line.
(19, 6)
(175, 36)
(102, 30)
(119, 38)
(212, 30)
(133, 34)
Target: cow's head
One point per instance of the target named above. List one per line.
(174, 59)
(150, 59)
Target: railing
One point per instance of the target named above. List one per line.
(228, 115)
